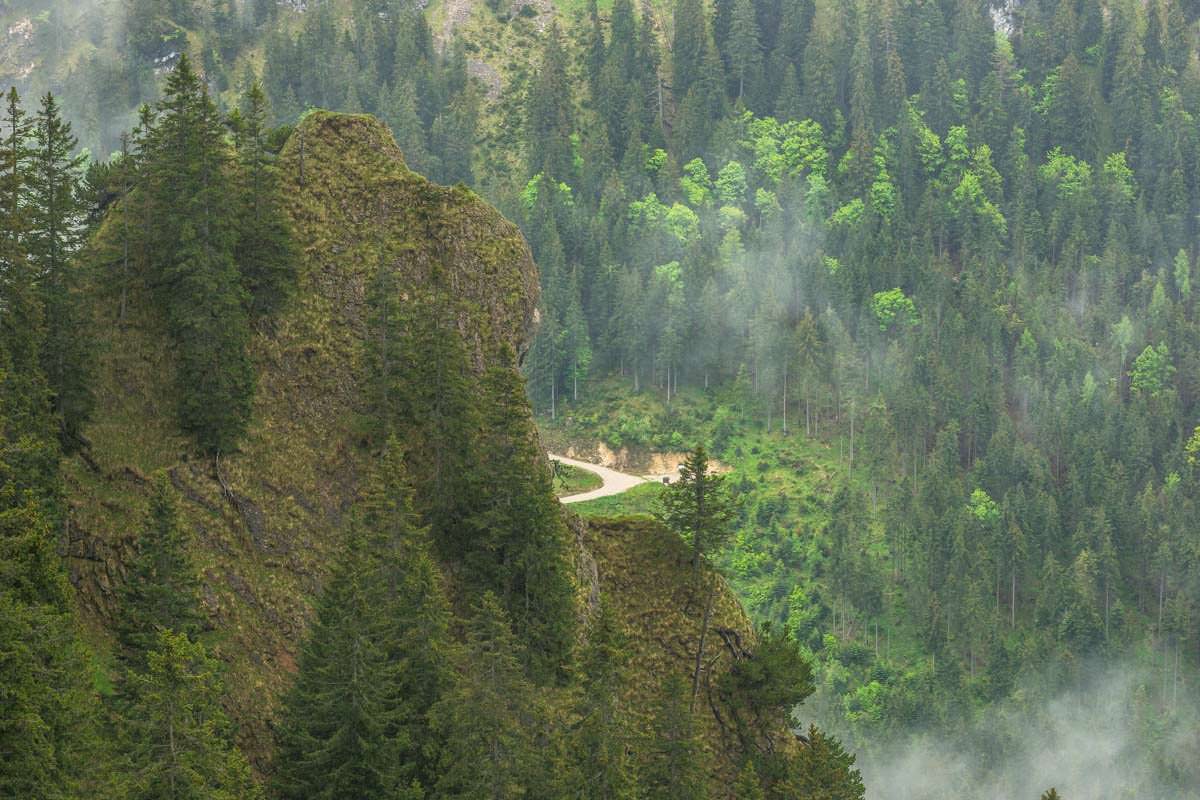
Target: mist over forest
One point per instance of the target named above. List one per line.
(863, 335)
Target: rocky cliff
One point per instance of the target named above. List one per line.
(266, 521)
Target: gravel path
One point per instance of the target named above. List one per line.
(614, 482)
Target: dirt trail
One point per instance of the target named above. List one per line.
(614, 482)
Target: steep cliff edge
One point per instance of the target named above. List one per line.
(267, 520)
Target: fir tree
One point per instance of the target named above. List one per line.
(549, 120)
(192, 243)
(687, 48)
(521, 538)
(488, 715)
(47, 728)
(177, 736)
(264, 252)
(745, 47)
(673, 768)
(355, 722)
(748, 786)
(603, 742)
(56, 225)
(161, 589)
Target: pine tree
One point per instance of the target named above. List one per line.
(47, 727)
(56, 226)
(549, 114)
(177, 736)
(698, 507)
(603, 743)
(521, 539)
(264, 252)
(192, 241)
(744, 47)
(488, 715)
(748, 786)
(673, 769)
(789, 104)
(29, 472)
(824, 769)
(161, 589)
(375, 661)
(420, 389)
(687, 47)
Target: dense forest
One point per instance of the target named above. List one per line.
(448, 652)
(938, 251)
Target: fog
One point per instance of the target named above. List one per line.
(1114, 736)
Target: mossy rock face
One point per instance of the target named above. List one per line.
(267, 520)
(645, 573)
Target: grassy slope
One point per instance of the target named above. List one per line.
(573, 480)
(266, 529)
(645, 572)
(265, 542)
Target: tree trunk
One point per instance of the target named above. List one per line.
(703, 634)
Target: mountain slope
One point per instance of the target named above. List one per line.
(267, 521)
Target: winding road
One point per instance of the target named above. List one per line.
(614, 482)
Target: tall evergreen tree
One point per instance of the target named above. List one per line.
(177, 735)
(604, 744)
(192, 241)
(522, 544)
(488, 715)
(673, 768)
(744, 48)
(355, 722)
(264, 252)
(161, 588)
(549, 114)
(56, 226)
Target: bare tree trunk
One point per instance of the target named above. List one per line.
(852, 434)
(708, 605)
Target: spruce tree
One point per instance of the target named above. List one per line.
(176, 736)
(549, 114)
(355, 722)
(673, 768)
(603, 743)
(488, 715)
(264, 252)
(687, 47)
(192, 239)
(47, 727)
(748, 786)
(744, 47)
(161, 588)
(56, 226)
(521, 545)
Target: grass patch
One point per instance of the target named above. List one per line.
(640, 501)
(570, 480)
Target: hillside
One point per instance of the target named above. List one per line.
(268, 521)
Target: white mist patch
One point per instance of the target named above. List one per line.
(1106, 739)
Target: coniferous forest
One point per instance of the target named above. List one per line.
(904, 287)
